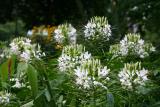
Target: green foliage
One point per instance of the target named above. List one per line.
(32, 77)
(4, 73)
(52, 88)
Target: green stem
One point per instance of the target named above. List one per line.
(94, 96)
(48, 86)
(93, 93)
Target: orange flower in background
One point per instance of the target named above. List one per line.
(43, 31)
(46, 33)
(50, 31)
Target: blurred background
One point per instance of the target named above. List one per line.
(125, 16)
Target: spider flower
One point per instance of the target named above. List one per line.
(133, 75)
(132, 44)
(97, 28)
(91, 72)
(4, 97)
(65, 34)
(24, 49)
(72, 55)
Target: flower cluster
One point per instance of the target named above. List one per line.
(72, 55)
(132, 44)
(90, 73)
(98, 28)
(133, 75)
(5, 53)
(25, 51)
(4, 98)
(65, 34)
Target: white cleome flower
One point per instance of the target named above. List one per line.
(85, 55)
(14, 48)
(98, 28)
(24, 50)
(72, 55)
(4, 97)
(103, 72)
(58, 36)
(142, 74)
(65, 34)
(18, 85)
(132, 75)
(85, 74)
(96, 83)
(25, 56)
(82, 78)
(132, 45)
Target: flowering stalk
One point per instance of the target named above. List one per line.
(90, 75)
(47, 82)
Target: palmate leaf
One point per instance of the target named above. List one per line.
(7, 69)
(32, 77)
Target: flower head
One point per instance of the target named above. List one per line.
(91, 72)
(133, 75)
(97, 28)
(65, 34)
(24, 50)
(72, 55)
(4, 97)
(132, 44)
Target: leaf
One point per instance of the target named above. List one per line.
(41, 93)
(48, 96)
(29, 104)
(21, 67)
(4, 71)
(60, 99)
(32, 77)
(73, 102)
(157, 104)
